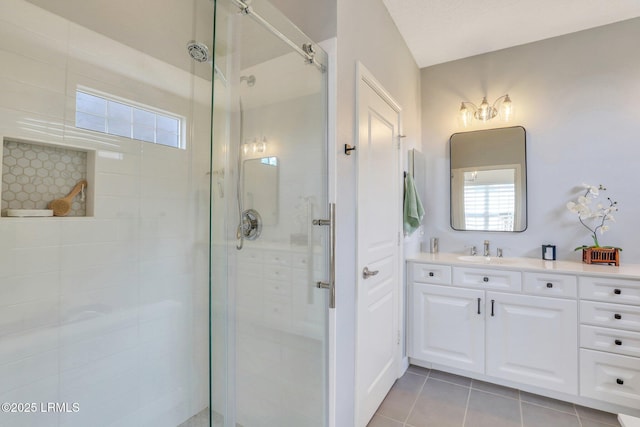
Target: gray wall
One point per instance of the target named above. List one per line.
(577, 96)
(367, 34)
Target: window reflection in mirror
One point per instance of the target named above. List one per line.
(488, 180)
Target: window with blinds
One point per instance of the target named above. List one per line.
(123, 118)
(489, 207)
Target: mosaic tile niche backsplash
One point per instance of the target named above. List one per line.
(33, 175)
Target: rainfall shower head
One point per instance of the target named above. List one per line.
(198, 51)
(251, 80)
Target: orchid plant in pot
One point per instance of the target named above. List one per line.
(595, 220)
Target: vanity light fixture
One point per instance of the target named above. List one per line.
(255, 145)
(502, 107)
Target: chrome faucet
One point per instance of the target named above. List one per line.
(487, 252)
(473, 251)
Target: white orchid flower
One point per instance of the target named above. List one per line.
(582, 200)
(593, 219)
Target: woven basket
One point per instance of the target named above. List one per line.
(601, 256)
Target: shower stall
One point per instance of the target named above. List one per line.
(269, 184)
(182, 287)
(104, 313)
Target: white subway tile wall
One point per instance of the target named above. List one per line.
(109, 311)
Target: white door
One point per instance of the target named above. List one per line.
(448, 326)
(378, 251)
(533, 340)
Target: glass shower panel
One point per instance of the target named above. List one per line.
(269, 136)
(104, 314)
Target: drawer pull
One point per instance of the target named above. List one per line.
(617, 316)
(618, 342)
(431, 274)
(549, 285)
(485, 279)
(478, 305)
(619, 381)
(617, 291)
(492, 304)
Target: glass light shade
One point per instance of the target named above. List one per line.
(465, 116)
(485, 111)
(506, 109)
(259, 147)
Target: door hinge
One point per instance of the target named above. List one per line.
(399, 239)
(398, 342)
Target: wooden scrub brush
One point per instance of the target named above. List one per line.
(61, 207)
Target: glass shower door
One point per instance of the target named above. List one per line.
(269, 171)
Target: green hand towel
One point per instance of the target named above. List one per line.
(413, 210)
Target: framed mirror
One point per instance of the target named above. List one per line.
(260, 187)
(489, 180)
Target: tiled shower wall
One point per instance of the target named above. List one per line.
(33, 175)
(108, 311)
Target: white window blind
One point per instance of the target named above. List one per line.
(489, 207)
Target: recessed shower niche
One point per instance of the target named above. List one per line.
(35, 174)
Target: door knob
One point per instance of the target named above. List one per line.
(366, 273)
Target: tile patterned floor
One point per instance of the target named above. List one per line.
(429, 398)
(201, 419)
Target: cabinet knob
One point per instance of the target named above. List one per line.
(618, 342)
(485, 279)
(617, 291)
(619, 381)
(549, 285)
(617, 316)
(431, 274)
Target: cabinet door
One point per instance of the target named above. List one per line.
(448, 326)
(533, 340)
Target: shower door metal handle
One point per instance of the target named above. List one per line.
(331, 285)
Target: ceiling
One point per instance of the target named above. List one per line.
(438, 31)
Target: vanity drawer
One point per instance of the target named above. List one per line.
(277, 258)
(610, 377)
(432, 273)
(276, 272)
(277, 311)
(487, 278)
(553, 285)
(278, 287)
(610, 315)
(610, 340)
(610, 290)
(304, 262)
(250, 256)
(299, 260)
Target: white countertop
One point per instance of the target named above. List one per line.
(630, 271)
